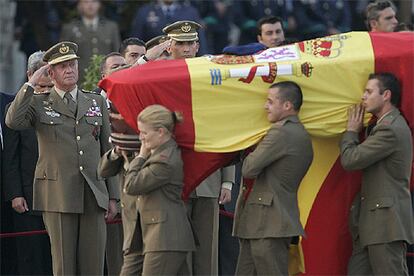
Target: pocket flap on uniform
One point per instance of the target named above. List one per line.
(154, 217)
(46, 173)
(261, 198)
(95, 120)
(380, 202)
(50, 120)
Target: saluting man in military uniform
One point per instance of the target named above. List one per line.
(382, 214)
(72, 128)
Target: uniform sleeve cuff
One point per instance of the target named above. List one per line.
(227, 185)
(142, 60)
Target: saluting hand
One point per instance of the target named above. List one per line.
(355, 118)
(34, 79)
(157, 50)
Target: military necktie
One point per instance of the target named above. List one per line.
(70, 102)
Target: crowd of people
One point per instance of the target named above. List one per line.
(60, 173)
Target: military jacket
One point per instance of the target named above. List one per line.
(277, 165)
(158, 182)
(70, 147)
(385, 158)
(109, 167)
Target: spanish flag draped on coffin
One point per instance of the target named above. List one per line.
(222, 98)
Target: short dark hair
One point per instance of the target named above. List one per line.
(388, 81)
(105, 58)
(289, 91)
(130, 41)
(373, 9)
(271, 19)
(404, 27)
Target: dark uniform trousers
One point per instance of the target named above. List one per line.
(33, 252)
(114, 248)
(71, 239)
(263, 256)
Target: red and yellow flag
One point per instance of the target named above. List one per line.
(222, 98)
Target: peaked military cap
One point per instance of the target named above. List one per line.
(155, 41)
(182, 30)
(63, 51)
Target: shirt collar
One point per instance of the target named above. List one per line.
(383, 116)
(73, 92)
(91, 22)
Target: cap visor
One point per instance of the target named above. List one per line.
(62, 59)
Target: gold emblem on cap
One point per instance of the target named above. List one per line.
(186, 28)
(64, 49)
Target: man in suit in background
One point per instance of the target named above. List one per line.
(72, 129)
(94, 35)
(385, 224)
(19, 161)
(267, 214)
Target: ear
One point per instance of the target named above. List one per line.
(197, 46)
(50, 72)
(373, 24)
(287, 105)
(161, 131)
(387, 95)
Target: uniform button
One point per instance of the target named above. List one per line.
(77, 122)
(96, 123)
(125, 191)
(51, 122)
(44, 176)
(122, 205)
(244, 188)
(81, 168)
(153, 219)
(24, 90)
(362, 198)
(260, 198)
(138, 199)
(377, 205)
(81, 152)
(78, 137)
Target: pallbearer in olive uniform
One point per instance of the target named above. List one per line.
(156, 177)
(267, 216)
(384, 224)
(72, 128)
